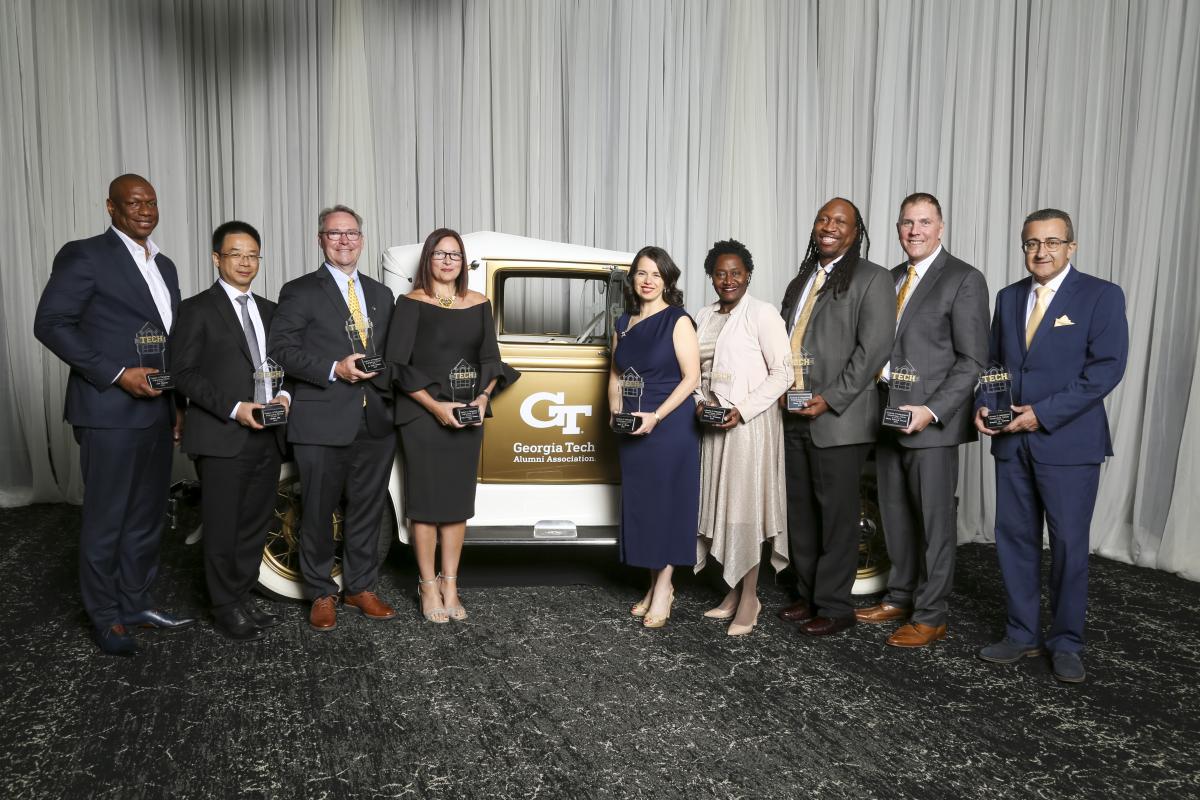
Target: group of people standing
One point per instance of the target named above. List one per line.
(787, 405)
(751, 430)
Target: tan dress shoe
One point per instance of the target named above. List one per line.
(917, 634)
(370, 605)
(884, 612)
(323, 616)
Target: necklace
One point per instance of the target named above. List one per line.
(444, 302)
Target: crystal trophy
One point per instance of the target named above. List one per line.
(268, 380)
(996, 386)
(364, 340)
(714, 414)
(902, 380)
(463, 378)
(151, 344)
(798, 398)
(632, 385)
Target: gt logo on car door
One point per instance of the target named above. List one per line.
(560, 416)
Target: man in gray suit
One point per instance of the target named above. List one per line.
(841, 313)
(941, 344)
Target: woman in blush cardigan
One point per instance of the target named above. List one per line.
(745, 365)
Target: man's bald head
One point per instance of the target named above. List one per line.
(133, 206)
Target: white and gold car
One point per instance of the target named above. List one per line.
(548, 470)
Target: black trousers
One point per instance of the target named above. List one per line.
(126, 477)
(359, 472)
(237, 500)
(823, 509)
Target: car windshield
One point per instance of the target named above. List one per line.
(561, 309)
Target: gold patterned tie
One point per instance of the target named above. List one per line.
(1039, 311)
(904, 287)
(356, 312)
(802, 324)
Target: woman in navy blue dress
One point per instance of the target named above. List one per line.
(660, 460)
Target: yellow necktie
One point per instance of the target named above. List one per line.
(1039, 311)
(802, 324)
(904, 287)
(356, 312)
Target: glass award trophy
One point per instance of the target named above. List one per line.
(711, 414)
(798, 398)
(902, 380)
(996, 385)
(463, 378)
(632, 385)
(151, 344)
(268, 380)
(364, 340)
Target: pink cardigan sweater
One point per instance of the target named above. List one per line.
(752, 365)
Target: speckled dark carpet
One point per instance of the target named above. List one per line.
(551, 690)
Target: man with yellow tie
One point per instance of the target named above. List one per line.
(1062, 337)
(940, 349)
(326, 331)
(840, 309)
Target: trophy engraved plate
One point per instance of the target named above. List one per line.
(797, 398)
(996, 385)
(903, 379)
(364, 341)
(463, 378)
(632, 386)
(713, 414)
(268, 380)
(151, 344)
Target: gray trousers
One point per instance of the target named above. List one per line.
(920, 525)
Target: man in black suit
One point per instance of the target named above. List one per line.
(839, 310)
(941, 340)
(340, 424)
(218, 344)
(102, 292)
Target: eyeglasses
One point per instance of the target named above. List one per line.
(447, 255)
(349, 236)
(245, 258)
(1051, 245)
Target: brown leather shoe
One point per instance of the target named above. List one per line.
(323, 616)
(369, 605)
(797, 612)
(917, 634)
(884, 612)
(826, 626)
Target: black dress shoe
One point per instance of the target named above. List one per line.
(262, 619)
(233, 623)
(826, 626)
(114, 640)
(796, 612)
(152, 618)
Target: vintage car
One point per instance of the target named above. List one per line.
(548, 471)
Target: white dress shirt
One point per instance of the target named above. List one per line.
(343, 283)
(800, 301)
(260, 332)
(153, 278)
(1052, 285)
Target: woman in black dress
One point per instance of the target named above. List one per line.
(440, 328)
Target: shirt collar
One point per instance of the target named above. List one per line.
(922, 266)
(1054, 284)
(233, 292)
(342, 278)
(829, 267)
(135, 249)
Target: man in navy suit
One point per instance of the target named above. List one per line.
(1063, 339)
(102, 292)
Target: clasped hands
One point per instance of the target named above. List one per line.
(245, 412)
(732, 419)
(443, 411)
(1025, 421)
(812, 409)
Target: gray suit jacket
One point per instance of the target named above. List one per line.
(943, 333)
(849, 337)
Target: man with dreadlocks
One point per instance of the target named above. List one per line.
(840, 309)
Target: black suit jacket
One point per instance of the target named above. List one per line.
(90, 311)
(943, 333)
(214, 368)
(308, 334)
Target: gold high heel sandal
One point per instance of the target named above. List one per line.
(457, 613)
(658, 622)
(640, 608)
(435, 615)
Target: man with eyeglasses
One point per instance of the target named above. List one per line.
(340, 423)
(1062, 337)
(218, 344)
(102, 294)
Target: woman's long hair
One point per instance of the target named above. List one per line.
(424, 278)
(666, 268)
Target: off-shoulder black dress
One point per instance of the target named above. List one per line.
(424, 344)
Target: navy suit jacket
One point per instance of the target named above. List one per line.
(94, 304)
(1076, 358)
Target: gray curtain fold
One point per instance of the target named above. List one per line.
(621, 123)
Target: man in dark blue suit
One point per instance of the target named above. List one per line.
(102, 292)
(1063, 339)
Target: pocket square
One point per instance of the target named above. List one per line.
(1063, 320)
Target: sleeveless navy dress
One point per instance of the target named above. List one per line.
(660, 472)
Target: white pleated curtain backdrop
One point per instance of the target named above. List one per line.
(619, 124)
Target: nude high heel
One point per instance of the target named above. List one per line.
(436, 615)
(457, 613)
(658, 622)
(741, 630)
